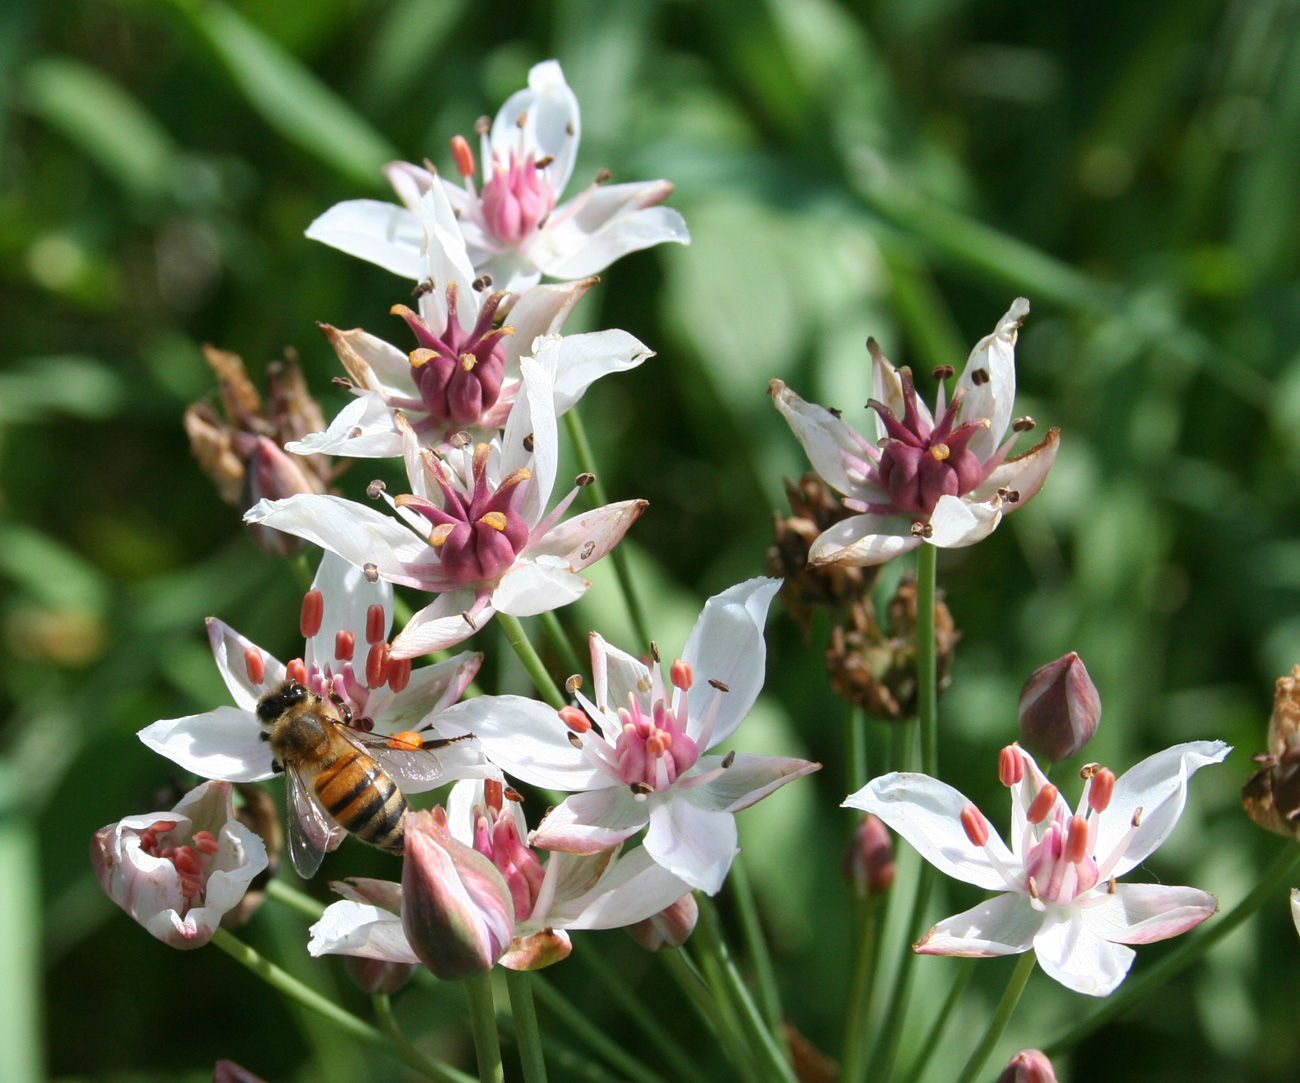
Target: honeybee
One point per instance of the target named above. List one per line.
(336, 774)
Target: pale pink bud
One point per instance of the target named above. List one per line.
(869, 860)
(227, 1071)
(670, 928)
(377, 975)
(457, 911)
(1028, 1066)
(1059, 709)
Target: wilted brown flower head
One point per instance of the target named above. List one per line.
(242, 448)
(815, 509)
(875, 667)
(1271, 796)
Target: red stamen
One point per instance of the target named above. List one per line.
(1101, 790)
(344, 645)
(681, 675)
(1076, 843)
(399, 673)
(575, 719)
(190, 887)
(296, 671)
(377, 665)
(975, 826)
(493, 791)
(375, 624)
(313, 611)
(1011, 767)
(187, 861)
(462, 155)
(407, 740)
(161, 827)
(205, 842)
(1042, 804)
(254, 665)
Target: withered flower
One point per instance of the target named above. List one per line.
(1271, 796)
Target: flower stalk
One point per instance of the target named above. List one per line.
(940, 1024)
(528, 1037)
(1010, 997)
(591, 1035)
(769, 995)
(483, 1025)
(532, 662)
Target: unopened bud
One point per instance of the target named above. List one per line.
(669, 928)
(1059, 709)
(869, 860)
(377, 976)
(1028, 1066)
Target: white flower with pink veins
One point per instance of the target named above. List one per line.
(474, 528)
(514, 230)
(1058, 878)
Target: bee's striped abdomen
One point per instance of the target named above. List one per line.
(361, 797)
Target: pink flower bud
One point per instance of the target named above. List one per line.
(869, 860)
(377, 975)
(1059, 709)
(670, 928)
(1028, 1066)
(227, 1071)
(457, 910)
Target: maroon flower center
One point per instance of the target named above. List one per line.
(516, 199)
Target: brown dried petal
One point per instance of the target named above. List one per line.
(1271, 796)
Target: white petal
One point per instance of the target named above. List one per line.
(1158, 786)
(223, 744)
(586, 823)
(748, 779)
(409, 181)
(584, 539)
(1004, 925)
(833, 446)
(577, 246)
(955, 522)
(552, 126)
(382, 233)
(636, 888)
(1024, 474)
(616, 675)
(445, 262)
(727, 645)
(348, 598)
(695, 844)
(350, 928)
(229, 650)
(538, 586)
(363, 429)
(373, 364)
(1146, 913)
(532, 423)
(994, 397)
(538, 311)
(583, 359)
(430, 689)
(863, 540)
(440, 625)
(1077, 957)
(927, 813)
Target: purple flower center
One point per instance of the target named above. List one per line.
(920, 462)
(459, 372)
(516, 199)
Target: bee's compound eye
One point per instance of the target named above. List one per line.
(274, 704)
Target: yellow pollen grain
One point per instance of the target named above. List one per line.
(495, 519)
(439, 534)
(422, 356)
(468, 361)
(506, 329)
(515, 477)
(940, 451)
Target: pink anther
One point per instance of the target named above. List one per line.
(576, 720)
(296, 671)
(376, 624)
(1101, 790)
(313, 612)
(975, 826)
(345, 644)
(205, 842)
(462, 155)
(377, 665)
(1042, 805)
(681, 676)
(254, 665)
(1076, 842)
(1011, 766)
(187, 861)
(399, 673)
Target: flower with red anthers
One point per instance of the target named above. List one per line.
(597, 891)
(474, 528)
(1058, 876)
(639, 754)
(514, 231)
(345, 620)
(178, 872)
(944, 478)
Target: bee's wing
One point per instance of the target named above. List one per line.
(401, 761)
(310, 832)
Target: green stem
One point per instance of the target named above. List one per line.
(294, 899)
(388, 1023)
(527, 1035)
(1001, 1017)
(518, 639)
(760, 958)
(340, 1017)
(560, 641)
(927, 688)
(853, 1059)
(587, 463)
(483, 1024)
(855, 741)
(1184, 955)
(716, 1012)
(591, 1035)
(940, 1024)
(728, 983)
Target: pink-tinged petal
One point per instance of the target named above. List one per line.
(726, 645)
(537, 950)
(927, 813)
(1022, 796)
(551, 125)
(1295, 908)
(834, 447)
(441, 624)
(1024, 474)
(1004, 925)
(748, 779)
(1071, 953)
(635, 888)
(363, 429)
(222, 744)
(1158, 786)
(531, 425)
(541, 310)
(692, 843)
(381, 233)
(229, 649)
(1145, 913)
(526, 739)
(586, 823)
(615, 675)
(410, 182)
(580, 244)
(956, 523)
(348, 597)
(993, 397)
(430, 690)
(887, 388)
(583, 359)
(863, 540)
(373, 364)
(355, 532)
(384, 894)
(584, 539)
(352, 928)
(538, 586)
(445, 261)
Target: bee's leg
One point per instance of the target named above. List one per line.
(263, 735)
(344, 710)
(364, 724)
(277, 767)
(443, 742)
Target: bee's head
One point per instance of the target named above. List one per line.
(272, 705)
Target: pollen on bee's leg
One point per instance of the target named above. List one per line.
(407, 739)
(254, 665)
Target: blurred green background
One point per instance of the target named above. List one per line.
(902, 168)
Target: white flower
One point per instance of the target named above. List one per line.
(944, 478)
(644, 762)
(347, 622)
(474, 528)
(514, 231)
(1058, 876)
(178, 872)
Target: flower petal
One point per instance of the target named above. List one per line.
(531, 438)
(1071, 953)
(441, 624)
(835, 449)
(373, 364)
(538, 586)
(382, 233)
(1004, 925)
(1158, 786)
(615, 675)
(927, 813)
(1024, 474)
(863, 540)
(223, 744)
(635, 888)
(993, 397)
(352, 928)
(956, 523)
(228, 648)
(748, 779)
(445, 262)
(430, 690)
(586, 538)
(363, 429)
(1145, 913)
(584, 244)
(551, 124)
(586, 823)
(348, 597)
(539, 311)
(582, 359)
(693, 843)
